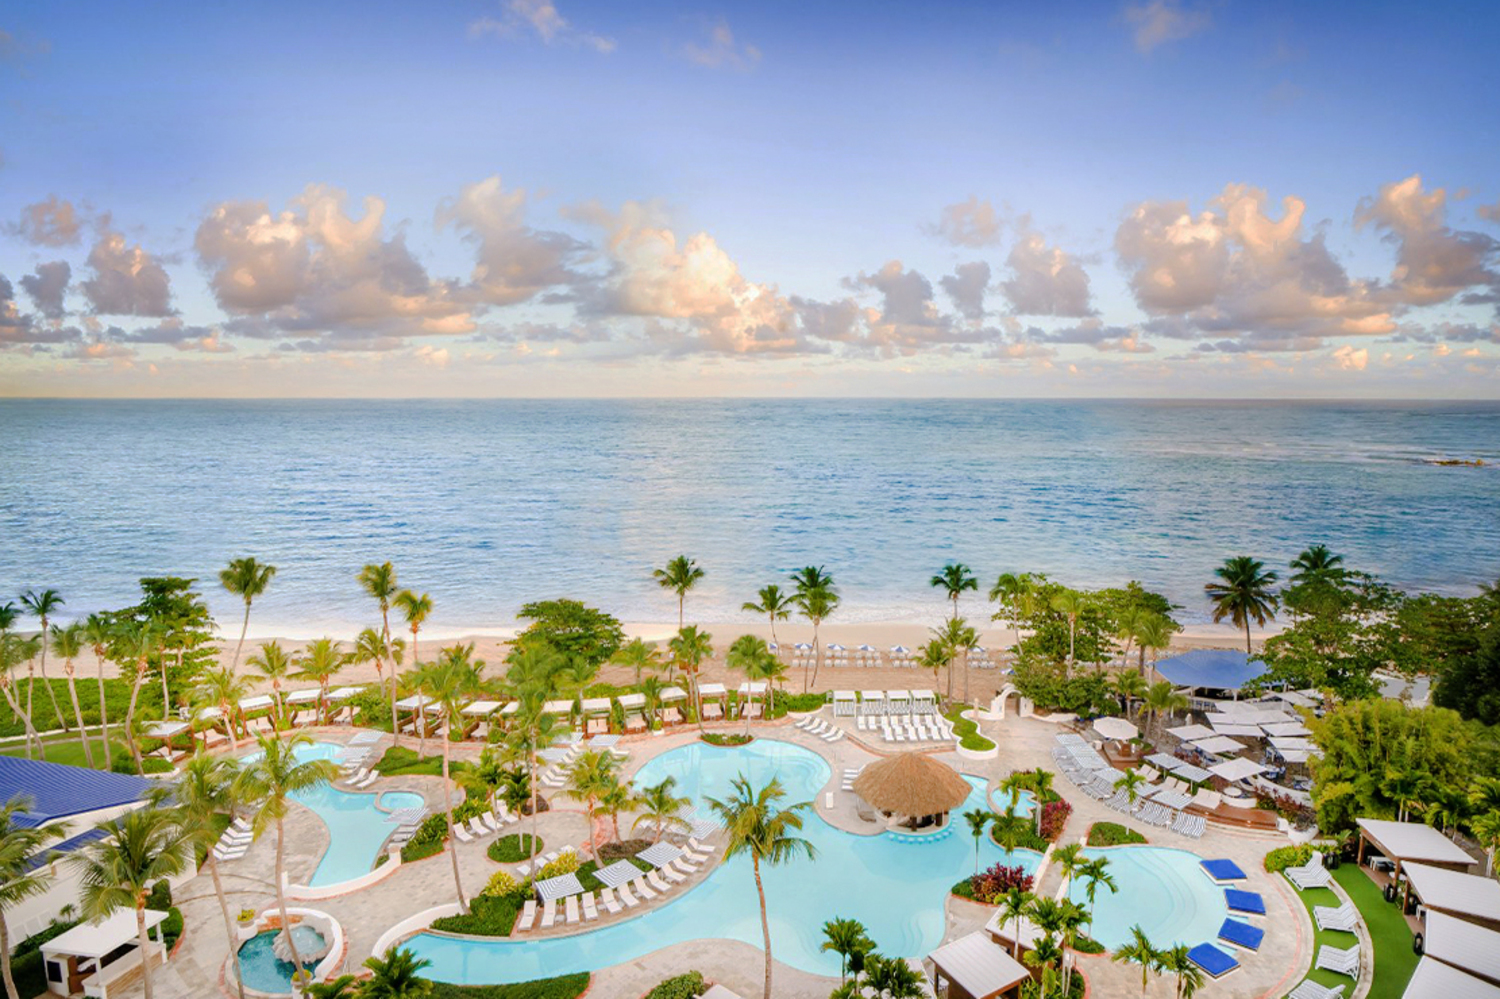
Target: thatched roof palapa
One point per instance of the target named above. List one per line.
(911, 784)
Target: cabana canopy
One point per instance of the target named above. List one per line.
(166, 729)
(711, 690)
(1218, 744)
(557, 707)
(1187, 733)
(1211, 669)
(480, 709)
(911, 784)
(1467, 896)
(978, 966)
(413, 703)
(1116, 728)
(757, 687)
(256, 703)
(1238, 768)
(673, 694)
(301, 696)
(843, 695)
(1434, 978)
(1406, 841)
(343, 693)
(596, 705)
(628, 701)
(98, 939)
(1467, 946)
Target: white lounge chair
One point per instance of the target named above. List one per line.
(549, 913)
(607, 896)
(1309, 876)
(491, 824)
(1339, 960)
(590, 910)
(683, 867)
(479, 829)
(528, 916)
(1312, 990)
(672, 875)
(572, 908)
(462, 834)
(628, 897)
(655, 881)
(643, 888)
(1344, 917)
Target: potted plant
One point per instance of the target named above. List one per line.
(247, 923)
(301, 979)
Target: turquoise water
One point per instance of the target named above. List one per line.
(881, 492)
(1163, 890)
(262, 970)
(356, 827)
(1025, 802)
(896, 889)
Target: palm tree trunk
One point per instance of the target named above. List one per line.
(765, 925)
(244, 627)
(817, 658)
(10, 983)
(229, 934)
(395, 719)
(1247, 636)
(143, 941)
(166, 703)
(25, 716)
(534, 809)
(458, 884)
(286, 926)
(135, 690)
(61, 721)
(88, 752)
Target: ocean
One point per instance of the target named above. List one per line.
(488, 504)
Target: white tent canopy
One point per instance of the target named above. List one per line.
(557, 707)
(1116, 728)
(1236, 769)
(256, 703)
(344, 693)
(1434, 978)
(301, 696)
(98, 939)
(166, 729)
(756, 688)
(628, 701)
(843, 695)
(1218, 744)
(412, 703)
(711, 690)
(1187, 733)
(978, 965)
(673, 694)
(1463, 944)
(593, 705)
(480, 708)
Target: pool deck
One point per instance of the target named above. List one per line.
(1024, 744)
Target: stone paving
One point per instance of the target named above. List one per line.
(1024, 743)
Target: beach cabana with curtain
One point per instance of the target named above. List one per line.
(913, 790)
(1469, 897)
(872, 702)
(93, 957)
(476, 714)
(414, 709)
(844, 703)
(298, 701)
(712, 697)
(338, 702)
(178, 739)
(595, 715)
(752, 698)
(634, 706)
(670, 696)
(256, 712)
(898, 702)
(923, 702)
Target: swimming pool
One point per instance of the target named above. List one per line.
(1025, 802)
(355, 825)
(263, 971)
(895, 888)
(1161, 889)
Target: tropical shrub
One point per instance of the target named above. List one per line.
(726, 738)
(798, 702)
(1283, 857)
(566, 863)
(1054, 818)
(563, 987)
(513, 849)
(171, 927)
(500, 884)
(682, 987)
(1113, 834)
(967, 731)
(995, 881)
(488, 916)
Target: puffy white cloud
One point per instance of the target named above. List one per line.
(720, 50)
(126, 280)
(53, 222)
(908, 319)
(47, 286)
(966, 286)
(1434, 263)
(542, 19)
(1044, 281)
(1348, 358)
(973, 222)
(1161, 21)
(1092, 332)
(515, 262)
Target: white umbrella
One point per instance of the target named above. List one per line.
(899, 650)
(1116, 728)
(835, 647)
(867, 648)
(802, 647)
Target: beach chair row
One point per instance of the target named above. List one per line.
(1310, 875)
(922, 728)
(484, 824)
(408, 821)
(813, 725)
(235, 841)
(585, 908)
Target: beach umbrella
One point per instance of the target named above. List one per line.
(1116, 728)
(900, 650)
(835, 647)
(802, 647)
(867, 648)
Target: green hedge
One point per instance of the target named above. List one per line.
(399, 760)
(967, 730)
(1283, 857)
(116, 699)
(727, 738)
(682, 987)
(1113, 834)
(488, 916)
(565, 987)
(514, 848)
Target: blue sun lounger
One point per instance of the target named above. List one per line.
(1214, 962)
(1241, 935)
(1247, 902)
(1222, 871)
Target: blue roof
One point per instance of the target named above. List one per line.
(1241, 934)
(1212, 960)
(1244, 901)
(84, 838)
(1213, 669)
(57, 790)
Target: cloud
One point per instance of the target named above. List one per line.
(1160, 21)
(1092, 332)
(102, 349)
(1235, 270)
(437, 358)
(514, 261)
(542, 19)
(719, 50)
(173, 332)
(126, 280)
(47, 286)
(1434, 263)
(966, 287)
(1348, 358)
(53, 222)
(973, 223)
(1045, 281)
(314, 268)
(908, 319)
(1489, 212)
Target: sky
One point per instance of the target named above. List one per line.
(1157, 198)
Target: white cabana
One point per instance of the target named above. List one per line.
(923, 702)
(1434, 978)
(632, 701)
(843, 702)
(752, 689)
(307, 696)
(415, 702)
(1285, 729)
(595, 705)
(670, 694)
(1236, 769)
(1234, 728)
(479, 709)
(1116, 728)
(1295, 755)
(872, 702)
(167, 729)
(557, 707)
(1465, 945)
(259, 702)
(510, 710)
(1187, 733)
(75, 956)
(1459, 894)
(898, 701)
(1284, 743)
(712, 690)
(978, 966)
(1218, 744)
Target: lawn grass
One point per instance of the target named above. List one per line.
(566, 987)
(1394, 959)
(399, 760)
(67, 749)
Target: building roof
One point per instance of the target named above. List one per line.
(1405, 841)
(1211, 669)
(911, 784)
(1454, 892)
(1467, 946)
(98, 939)
(978, 965)
(1434, 978)
(57, 790)
(66, 846)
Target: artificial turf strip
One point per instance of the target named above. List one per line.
(1394, 959)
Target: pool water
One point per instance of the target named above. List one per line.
(1025, 802)
(896, 888)
(356, 827)
(1161, 889)
(262, 970)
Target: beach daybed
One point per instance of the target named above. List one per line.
(1339, 960)
(1247, 902)
(1242, 935)
(1214, 962)
(1222, 871)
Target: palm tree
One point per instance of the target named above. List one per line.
(1486, 830)
(342, 987)
(372, 647)
(893, 978)
(844, 937)
(450, 682)
(98, 632)
(979, 821)
(954, 578)
(757, 826)
(934, 656)
(1175, 960)
(15, 650)
(21, 877)
(956, 638)
(773, 603)
(1127, 687)
(1154, 632)
(416, 609)
(660, 807)
(396, 977)
(379, 581)
(41, 606)
(1139, 951)
(1070, 604)
(617, 798)
(1243, 594)
(1130, 782)
(1095, 873)
(652, 689)
(321, 661)
(138, 849)
(247, 579)
(267, 785)
(534, 730)
(1318, 564)
(1014, 904)
(750, 655)
(223, 688)
(679, 575)
(204, 791)
(275, 665)
(1161, 697)
(637, 654)
(1007, 828)
(590, 776)
(689, 647)
(137, 642)
(68, 644)
(816, 599)
(1013, 593)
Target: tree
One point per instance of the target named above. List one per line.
(222, 689)
(15, 650)
(534, 728)
(637, 655)
(589, 777)
(396, 977)
(757, 826)
(955, 638)
(774, 603)
(1140, 952)
(979, 821)
(844, 937)
(1015, 595)
(1318, 564)
(816, 599)
(1486, 830)
(1243, 594)
(247, 579)
(1070, 604)
(320, 662)
(98, 631)
(342, 987)
(67, 643)
(1190, 977)
(575, 630)
(450, 682)
(1130, 782)
(415, 609)
(138, 642)
(750, 655)
(118, 871)
(1095, 874)
(1007, 828)
(379, 581)
(1014, 905)
(617, 798)
(42, 606)
(375, 648)
(893, 978)
(266, 785)
(689, 647)
(275, 665)
(20, 876)
(1128, 687)
(679, 575)
(1162, 698)
(206, 790)
(660, 807)
(954, 579)
(184, 628)
(1154, 632)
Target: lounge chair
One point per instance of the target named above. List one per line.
(571, 907)
(655, 881)
(643, 888)
(369, 779)
(1215, 962)
(672, 875)
(1221, 871)
(1241, 935)
(682, 866)
(462, 834)
(228, 855)
(478, 828)
(628, 897)
(1312, 990)
(1339, 960)
(828, 800)
(548, 858)
(523, 869)
(549, 913)
(1309, 876)
(1247, 903)
(528, 916)
(1345, 917)
(607, 896)
(490, 823)
(590, 910)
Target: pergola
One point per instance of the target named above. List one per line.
(596, 714)
(92, 956)
(843, 702)
(712, 697)
(976, 967)
(477, 714)
(1402, 842)
(416, 706)
(1469, 897)
(899, 702)
(1434, 978)
(1469, 947)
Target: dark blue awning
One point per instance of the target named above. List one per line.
(1212, 669)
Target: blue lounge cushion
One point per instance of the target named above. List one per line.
(1222, 870)
(1242, 934)
(1244, 901)
(1212, 960)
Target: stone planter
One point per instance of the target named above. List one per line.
(248, 929)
